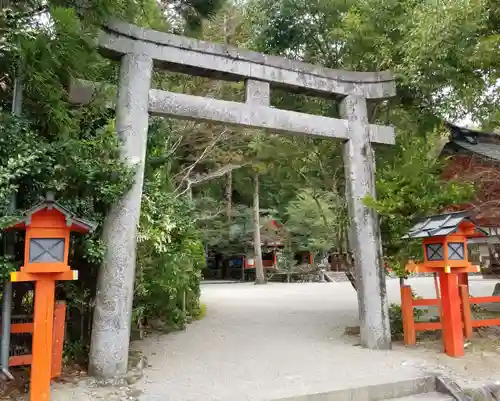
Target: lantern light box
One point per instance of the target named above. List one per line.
(434, 251)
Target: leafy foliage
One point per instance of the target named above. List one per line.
(21, 155)
(286, 263)
(195, 11)
(442, 52)
(313, 217)
(170, 259)
(396, 318)
(75, 152)
(433, 49)
(409, 187)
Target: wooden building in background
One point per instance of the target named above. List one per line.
(475, 156)
(231, 265)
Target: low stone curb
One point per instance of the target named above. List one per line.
(379, 392)
(448, 386)
(418, 386)
(485, 393)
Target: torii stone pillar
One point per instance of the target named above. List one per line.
(137, 49)
(359, 162)
(115, 288)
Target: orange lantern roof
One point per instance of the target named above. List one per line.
(64, 217)
(444, 225)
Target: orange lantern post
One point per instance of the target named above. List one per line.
(445, 253)
(48, 226)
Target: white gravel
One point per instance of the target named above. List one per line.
(266, 342)
(279, 340)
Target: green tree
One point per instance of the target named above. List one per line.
(194, 12)
(75, 151)
(433, 48)
(409, 186)
(314, 219)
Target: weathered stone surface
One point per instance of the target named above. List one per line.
(496, 290)
(434, 396)
(198, 57)
(479, 394)
(495, 391)
(253, 114)
(113, 309)
(359, 161)
(257, 92)
(449, 386)
(493, 306)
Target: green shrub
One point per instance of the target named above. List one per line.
(170, 258)
(200, 312)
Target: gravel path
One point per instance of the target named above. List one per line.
(267, 342)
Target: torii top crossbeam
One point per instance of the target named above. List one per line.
(201, 58)
(259, 71)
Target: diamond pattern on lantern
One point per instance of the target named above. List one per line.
(455, 250)
(46, 250)
(435, 252)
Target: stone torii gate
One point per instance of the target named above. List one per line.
(139, 51)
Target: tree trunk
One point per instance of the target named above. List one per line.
(345, 258)
(229, 198)
(228, 193)
(259, 267)
(226, 30)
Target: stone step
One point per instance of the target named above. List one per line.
(433, 396)
(377, 392)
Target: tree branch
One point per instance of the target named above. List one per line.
(214, 174)
(189, 170)
(155, 161)
(209, 176)
(210, 216)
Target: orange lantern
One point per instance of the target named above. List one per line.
(444, 240)
(48, 226)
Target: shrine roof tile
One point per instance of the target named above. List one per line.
(485, 144)
(438, 225)
(487, 149)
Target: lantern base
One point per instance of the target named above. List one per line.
(413, 267)
(64, 276)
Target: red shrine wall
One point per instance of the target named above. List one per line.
(486, 176)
